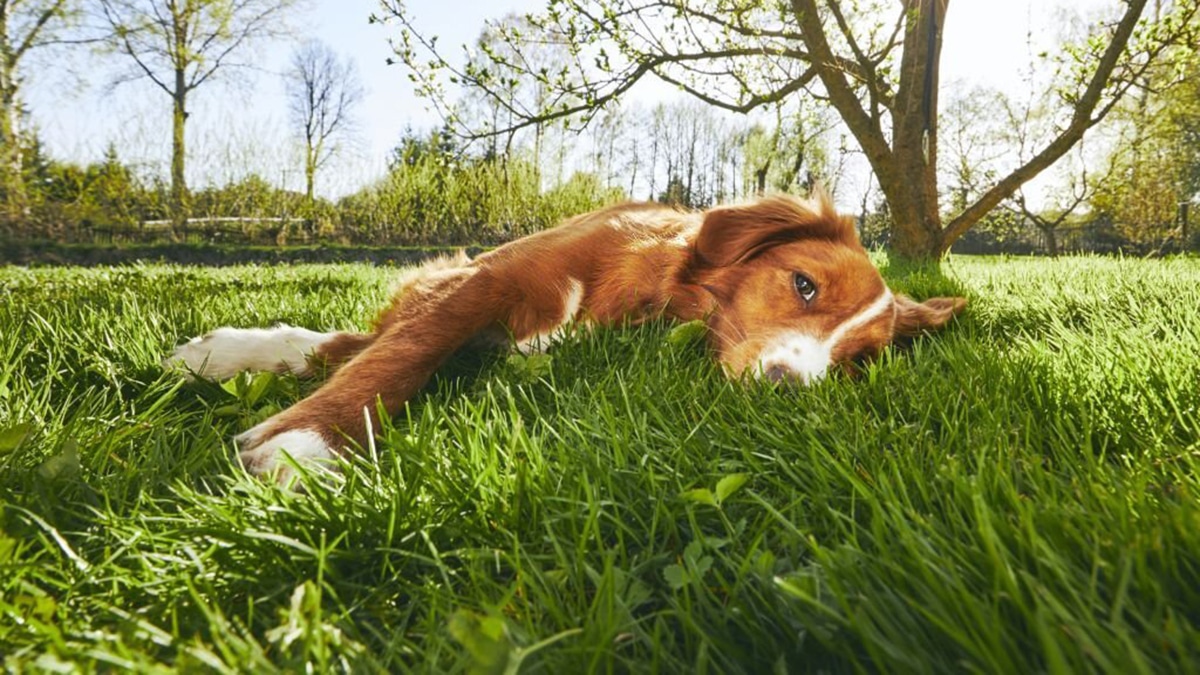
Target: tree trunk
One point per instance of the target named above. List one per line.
(790, 179)
(906, 167)
(538, 130)
(310, 177)
(910, 180)
(179, 196)
(16, 203)
(310, 196)
(1051, 241)
(1184, 239)
(916, 223)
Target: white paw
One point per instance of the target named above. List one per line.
(267, 457)
(225, 352)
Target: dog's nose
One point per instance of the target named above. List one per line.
(776, 373)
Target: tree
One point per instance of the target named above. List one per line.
(1071, 184)
(976, 136)
(322, 91)
(25, 25)
(114, 188)
(1156, 158)
(881, 77)
(179, 45)
(415, 147)
(791, 153)
(1060, 202)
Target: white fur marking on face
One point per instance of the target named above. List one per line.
(227, 351)
(572, 301)
(808, 358)
(302, 445)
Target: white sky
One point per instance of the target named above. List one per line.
(237, 126)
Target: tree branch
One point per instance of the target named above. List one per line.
(31, 38)
(865, 128)
(1081, 120)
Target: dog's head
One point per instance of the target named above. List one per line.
(793, 293)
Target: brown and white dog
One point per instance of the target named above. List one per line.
(784, 286)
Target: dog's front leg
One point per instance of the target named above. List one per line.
(425, 327)
(225, 352)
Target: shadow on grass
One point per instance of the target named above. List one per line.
(920, 279)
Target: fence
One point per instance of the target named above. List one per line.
(1099, 236)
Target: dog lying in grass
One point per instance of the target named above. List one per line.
(784, 286)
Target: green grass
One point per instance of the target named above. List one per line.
(1018, 494)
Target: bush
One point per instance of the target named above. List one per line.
(431, 199)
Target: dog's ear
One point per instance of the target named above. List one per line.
(914, 318)
(730, 234)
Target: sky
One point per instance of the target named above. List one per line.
(240, 123)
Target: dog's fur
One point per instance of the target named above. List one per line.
(734, 267)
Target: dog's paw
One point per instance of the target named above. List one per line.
(193, 359)
(225, 352)
(264, 451)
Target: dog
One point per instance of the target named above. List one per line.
(785, 288)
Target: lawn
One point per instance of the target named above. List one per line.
(1017, 494)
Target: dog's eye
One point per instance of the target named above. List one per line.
(804, 286)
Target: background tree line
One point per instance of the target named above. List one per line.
(537, 127)
(439, 189)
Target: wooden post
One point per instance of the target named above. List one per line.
(1184, 208)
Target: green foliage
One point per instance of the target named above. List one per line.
(106, 194)
(1016, 494)
(677, 194)
(432, 195)
(1156, 167)
(791, 155)
(108, 201)
(250, 197)
(439, 145)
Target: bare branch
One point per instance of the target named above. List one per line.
(31, 38)
(1082, 119)
(866, 129)
(322, 91)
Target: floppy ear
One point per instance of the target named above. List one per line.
(914, 318)
(732, 233)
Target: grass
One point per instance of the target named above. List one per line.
(1018, 494)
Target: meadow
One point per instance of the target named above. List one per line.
(1017, 494)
